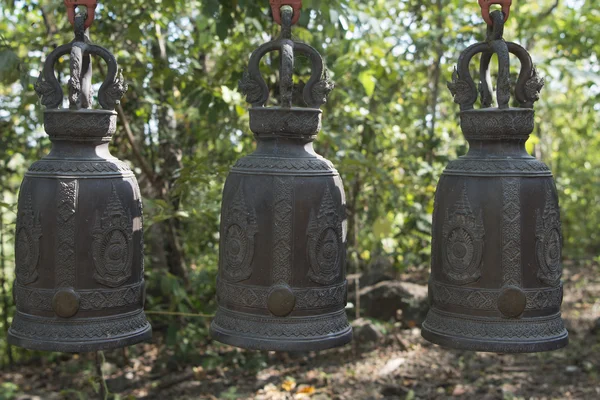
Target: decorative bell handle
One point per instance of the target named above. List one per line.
(524, 96)
(485, 9)
(89, 4)
(51, 91)
(528, 84)
(254, 86)
(80, 95)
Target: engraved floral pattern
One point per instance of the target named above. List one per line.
(257, 296)
(282, 230)
(487, 299)
(80, 126)
(511, 232)
(96, 299)
(113, 243)
(239, 227)
(325, 241)
(284, 165)
(495, 125)
(27, 243)
(309, 327)
(549, 240)
(470, 166)
(65, 238)
(79, 167)
(462, 249)
(495, 329)
(78, 330)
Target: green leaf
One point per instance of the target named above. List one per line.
(368, 81)
(9, 66)
(382, 227)
(6, 205)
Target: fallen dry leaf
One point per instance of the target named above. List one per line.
(306, 389)
(459, 390)
(199, 373)
(288, 384)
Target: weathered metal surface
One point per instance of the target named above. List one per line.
(79, 257)
(496, 249)
(281, 283)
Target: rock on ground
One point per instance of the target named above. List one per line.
(383, 300)
(366, 333)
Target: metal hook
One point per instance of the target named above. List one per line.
(276, 6)
(485, 9)
(89, 4)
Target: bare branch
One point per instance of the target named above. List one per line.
(137, 153)
(549, 11)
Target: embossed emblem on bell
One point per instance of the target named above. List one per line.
(79, 246)
(496, 247)
(282, 283)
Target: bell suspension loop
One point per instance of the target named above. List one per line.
(485, 9)
(286, 66)
(277, 9)
(90, 6)
(80, 82)
(497, 45)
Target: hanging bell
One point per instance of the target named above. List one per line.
(79, 246)
(282, 284)
(496, 249)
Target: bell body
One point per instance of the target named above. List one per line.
(496, 251)
(79, 246)
(282, 279)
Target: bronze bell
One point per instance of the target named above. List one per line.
(282, 281)
(79, 244)
(496, 250)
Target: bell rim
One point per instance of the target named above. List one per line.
(81, 111)
(80, 347)
(277, 109)
(493, 110)
(497, 345)
(54, 343)
(316, 343)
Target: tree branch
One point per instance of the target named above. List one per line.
(103, 389)
(50, 28)
(137, 153)
(436, 75)
(549, 11)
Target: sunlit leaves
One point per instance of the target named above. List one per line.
(368, 81)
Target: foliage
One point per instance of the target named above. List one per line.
(390, 126)
(8, 391)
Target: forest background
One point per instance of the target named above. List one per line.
(390, 126)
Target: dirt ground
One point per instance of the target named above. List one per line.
(404, 366)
